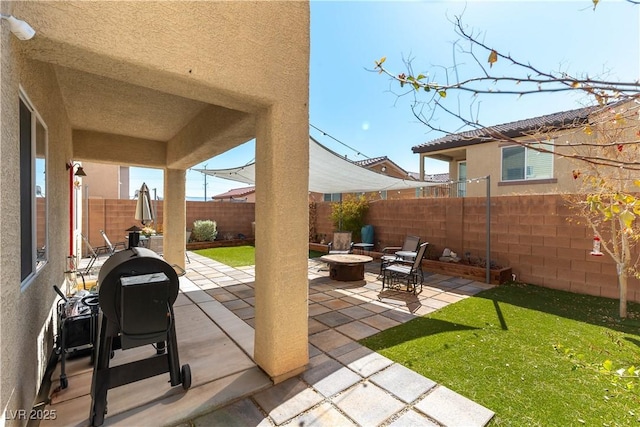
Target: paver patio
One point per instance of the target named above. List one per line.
(345, 383)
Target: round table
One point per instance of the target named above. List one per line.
(346, 267)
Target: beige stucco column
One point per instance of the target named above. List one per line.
(282, 247)
(174, 216)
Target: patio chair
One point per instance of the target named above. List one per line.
(93, 253)
(186, 252)
(394, 275)
(113, 248)
(341, 243)
(389, 256)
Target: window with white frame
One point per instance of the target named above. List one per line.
(331, 197)
(33, 191)
(524, 163)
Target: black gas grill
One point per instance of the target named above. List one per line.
(137, 289)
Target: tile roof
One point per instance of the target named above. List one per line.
(235, 193)
(367, 163)
(435, 177)
(561, 120)
(371, 161)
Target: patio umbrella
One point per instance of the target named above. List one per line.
(144, 208)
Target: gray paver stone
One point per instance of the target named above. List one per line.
(287, 399)
(357, 330)
(413, 419)
(403, 382)
(324, 415)
(367, 404)
(364, 361)
(451, 409)
(330, 377)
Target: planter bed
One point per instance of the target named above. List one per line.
(320, 247)
(192, 246)
(497, 276)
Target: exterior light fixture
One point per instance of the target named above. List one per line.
(79, 171)
(19, 28)
(71, 167)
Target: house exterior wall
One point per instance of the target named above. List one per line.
(532, 234)
(390, 169)
(173, 51)
(26, 316)
(103, 180)
(485, 159)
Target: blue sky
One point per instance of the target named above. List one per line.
(361, 109)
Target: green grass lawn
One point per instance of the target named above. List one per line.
(535, 356)
(238, 256)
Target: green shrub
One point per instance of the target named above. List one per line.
(351, 213)
(204, 231)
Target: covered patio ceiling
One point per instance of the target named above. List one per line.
(102, 104)
(113, 118)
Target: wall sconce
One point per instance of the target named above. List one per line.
(19, 28)
(77, 172)
(384, 169)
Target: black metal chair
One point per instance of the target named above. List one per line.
(112, 247)
(389, 256)
(93, 253)
(396, 274)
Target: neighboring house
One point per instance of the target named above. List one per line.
(513, 168)
(244, 194)
(100, 84)
(105, 181)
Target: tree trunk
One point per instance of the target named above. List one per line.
(622, 285)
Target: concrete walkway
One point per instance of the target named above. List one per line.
(346, 384)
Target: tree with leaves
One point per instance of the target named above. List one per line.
(607, 158)
(606, 197)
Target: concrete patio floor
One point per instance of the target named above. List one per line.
(345, 384)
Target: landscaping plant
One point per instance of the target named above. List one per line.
(349, 214)
(204, 231)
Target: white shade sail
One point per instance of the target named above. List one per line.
(328, 173)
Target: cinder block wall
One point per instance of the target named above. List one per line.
(115, 216)
(532, 234)
(231, 218)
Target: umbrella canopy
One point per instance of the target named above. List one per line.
(144, 208)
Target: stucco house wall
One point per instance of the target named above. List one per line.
(485, 159)
(25, 327)
(566, 130)
(103, 180)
